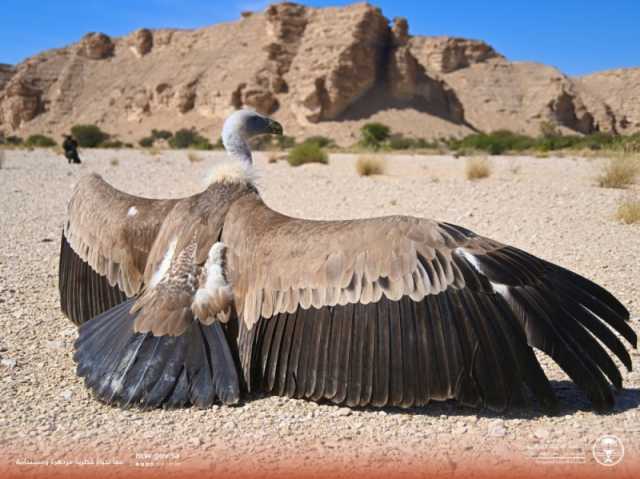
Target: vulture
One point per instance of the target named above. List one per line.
(217, 297)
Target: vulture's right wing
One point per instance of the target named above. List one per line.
(401, 311)
(105, 244)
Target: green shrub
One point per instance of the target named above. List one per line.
(189, 138)
(285, 142)
(40, 141)
(146, 142)
(161, 134)
(117, 144)
(307, 153)
(202, 144)
(399, 142)
(374, 134)
(425, 144)
(321, 141)
(89, 136)
(494, 143)
(13, 140)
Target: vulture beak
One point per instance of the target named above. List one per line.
(274, 127)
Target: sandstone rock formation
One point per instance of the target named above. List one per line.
(335, 69)
(447, 54)
(319, 71)
(619, 90)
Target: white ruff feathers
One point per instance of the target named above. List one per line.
(232, 171)
(215, 295)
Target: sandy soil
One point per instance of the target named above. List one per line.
(549, 207)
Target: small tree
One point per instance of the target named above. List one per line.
(374, 134)
(89, 136)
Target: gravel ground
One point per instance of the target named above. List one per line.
(549, 207)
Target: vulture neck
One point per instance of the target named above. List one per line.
(237, 147)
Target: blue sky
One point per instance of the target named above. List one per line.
(577, 36)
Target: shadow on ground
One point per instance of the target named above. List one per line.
(570, 400)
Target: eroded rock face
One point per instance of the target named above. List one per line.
(96, 46)
(185, 98)
(20, 103)
(568, 110)
(447, 54)
(339, 70)
(6, 72)
(141, 41)
(402, 70)
(285, 27)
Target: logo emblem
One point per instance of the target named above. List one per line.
(608, 450)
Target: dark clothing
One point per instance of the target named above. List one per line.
(70, 147)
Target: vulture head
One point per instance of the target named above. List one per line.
(241, 126)
(238, 129)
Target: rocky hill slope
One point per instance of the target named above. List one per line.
(319, 71)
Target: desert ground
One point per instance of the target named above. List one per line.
(550, 207)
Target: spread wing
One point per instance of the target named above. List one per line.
(105, 244)
(402, 311)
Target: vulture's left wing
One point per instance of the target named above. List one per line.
(105, 243)
(401, 311)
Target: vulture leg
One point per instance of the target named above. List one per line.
(127, 369)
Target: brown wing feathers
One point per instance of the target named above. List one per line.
(105, 243)
(422, 312)
(83, 293)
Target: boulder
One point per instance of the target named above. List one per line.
(141, 41)
(96, 46)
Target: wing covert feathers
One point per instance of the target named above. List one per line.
(113, 231)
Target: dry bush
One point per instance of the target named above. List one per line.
(368, 165)
(629, 211)
(194, 157)
(114, 162)
(153, 151)
(619, 172)
(477, 168)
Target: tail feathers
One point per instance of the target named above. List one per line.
(127, 369)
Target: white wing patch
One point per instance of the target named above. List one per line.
(214, 295)
(163, 269)
(132, 211)
(499, 288)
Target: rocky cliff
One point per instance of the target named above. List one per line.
(319, 71)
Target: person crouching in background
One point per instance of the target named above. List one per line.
(70, 146)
